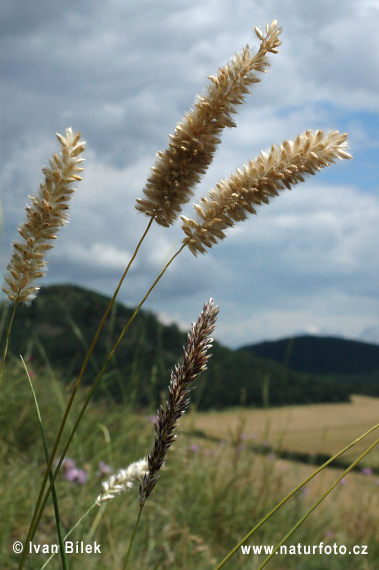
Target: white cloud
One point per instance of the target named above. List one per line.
(101, 255)
(124, 73)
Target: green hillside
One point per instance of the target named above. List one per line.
(347, 361)
(59, 326)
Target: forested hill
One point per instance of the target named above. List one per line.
(57, 329)
(321, 355)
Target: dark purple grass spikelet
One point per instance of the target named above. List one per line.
(195, 362)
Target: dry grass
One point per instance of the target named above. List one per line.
(321, 428)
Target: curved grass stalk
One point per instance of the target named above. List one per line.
(315, 505)
(7, 339)
(41, 503)
(32, 527)
(70, 532)
(132, 537)
(283, 501)
(53, 492)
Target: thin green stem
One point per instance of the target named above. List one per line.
(132, 537)
(70, 531)
(4, 314)
(316, 504)
(7, 339)
(111, 305)
(283, 501)
(41, 503)
(53, 491)
(33, 524)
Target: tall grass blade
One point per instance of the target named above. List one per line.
(295, 490)
(53, 491)
(316, 504)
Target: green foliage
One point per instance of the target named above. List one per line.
(58, 329)
(321, 355)
(208, 496)
(351, 362)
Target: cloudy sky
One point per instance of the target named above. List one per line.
(124, 72)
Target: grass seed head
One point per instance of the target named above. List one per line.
(46, 214)
(194, 142)
(122, 481)
(260, 180)
(195, 362)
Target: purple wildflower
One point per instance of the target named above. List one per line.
(76, 475)
(104, 470)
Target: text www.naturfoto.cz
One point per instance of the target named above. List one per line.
(305, 549)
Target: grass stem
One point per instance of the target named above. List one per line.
(287, 497)
(132, 537)
(316, 504)
(7, 339)
(41, 503)
(53, 491)
(33, 524)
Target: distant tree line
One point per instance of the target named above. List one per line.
(59, 326)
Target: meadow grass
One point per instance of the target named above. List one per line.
(208, 494)
(208, 498)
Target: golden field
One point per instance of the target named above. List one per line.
(316, 429)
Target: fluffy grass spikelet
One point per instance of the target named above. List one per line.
(46, 214)
(261, 179)
(195, 362)
(195, 139)
(122, 481)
